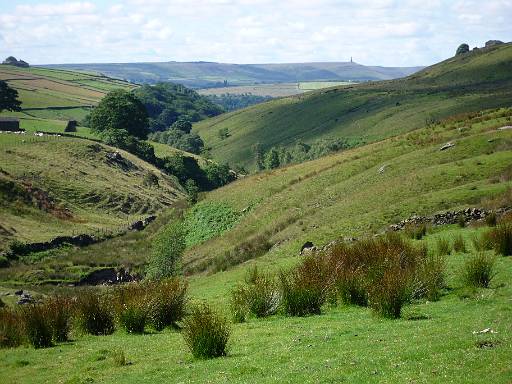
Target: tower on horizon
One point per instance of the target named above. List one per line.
(351, 59)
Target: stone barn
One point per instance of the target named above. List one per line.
(71, 126)
(9, 124)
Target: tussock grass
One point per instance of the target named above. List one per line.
(95, 314)
(206, 333)
(479, 270)
(12, 332)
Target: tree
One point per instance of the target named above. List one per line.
(182, 124)
(166, 252)
(9, 98)
(463, 48)
(272, 158)
(258, 154)
(119, 110)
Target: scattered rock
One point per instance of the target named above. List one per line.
(447, 146)
(307, 247)
(486, 330)
(382, 169)
(25, 298)
(19, 292)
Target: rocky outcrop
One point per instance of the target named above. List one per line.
(492, 43)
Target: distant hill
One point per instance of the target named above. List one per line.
(365, 112)
(209, 74)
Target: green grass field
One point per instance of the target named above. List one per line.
(366, 112)
(54, 95)
(433, 342)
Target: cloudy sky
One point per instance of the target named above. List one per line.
(379, 32)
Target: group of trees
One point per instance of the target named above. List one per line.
(194, 177)
(121, 120)
(179, 136)
(166, 103)
(232, 102)
(279, 156)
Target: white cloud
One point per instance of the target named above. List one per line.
(376, 32)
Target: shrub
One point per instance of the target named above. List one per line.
(38, 327)
(501, 238)
(260, 296)
(416, 231)
(133, 318)
(206, 333)
(443, 246)
(166, 303)
(11, 328)
(458, 244)
(2, 304)
(166, 252)
(94, 315)
(461, 222)
(491, 219)
(479, 270)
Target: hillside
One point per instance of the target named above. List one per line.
(51, 95)
(74, 186)
(209, 74)
(360, 191)
(366, 112)
(269, 216)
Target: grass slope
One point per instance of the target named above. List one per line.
(50, 95)
(432, 343)
(366, 112)
(363, 189)
(72, 187)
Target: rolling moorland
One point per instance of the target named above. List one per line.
(365, 112)
(463, 336)
(209, 74)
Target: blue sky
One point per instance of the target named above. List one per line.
(378, 32)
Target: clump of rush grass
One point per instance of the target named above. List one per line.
(416, 231)
(459, 245)
(479, 270)
(94, 314)
(37, 323)
(206, 333)
(12, 332)
(443, 246)
(259, 296)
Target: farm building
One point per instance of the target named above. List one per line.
(9, 124)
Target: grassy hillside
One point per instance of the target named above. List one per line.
(366, 112)
(50, 95)
(209, 74)
(361, 190)
(71, 186)
(433, 342)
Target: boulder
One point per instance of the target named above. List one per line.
(447, 146)
(307, 247)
